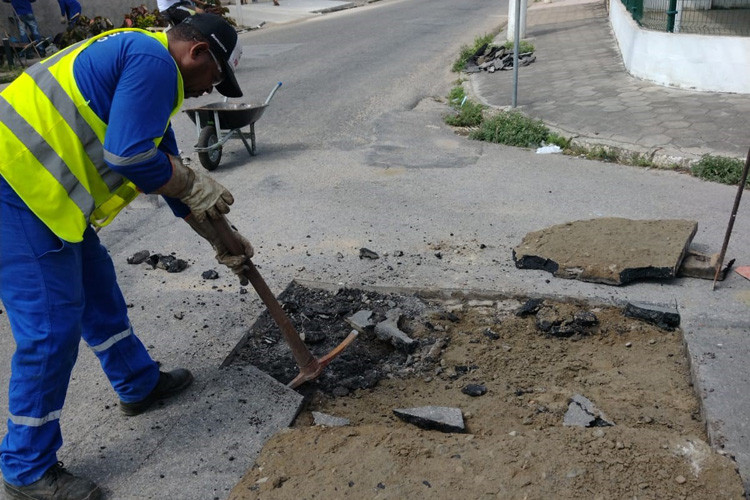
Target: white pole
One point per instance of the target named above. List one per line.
(513, 21)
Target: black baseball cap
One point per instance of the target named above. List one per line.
(222, 40)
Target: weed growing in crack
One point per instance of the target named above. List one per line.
(719, 169)
(512, 128)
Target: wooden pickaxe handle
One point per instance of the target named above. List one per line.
(310, 367)
(302, 355)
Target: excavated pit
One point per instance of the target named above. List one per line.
(513, 368)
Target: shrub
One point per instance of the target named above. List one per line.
(523, 46)
(469, 115)
(512, 128)
(719, 169)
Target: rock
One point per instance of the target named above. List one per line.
(490, 334)
(701, 265)
(139, 257)
(680, 479)
(210, 275)
(389, 331)
(329, 420)
(440, 418)
(530, 307)
(583, 413)
(666, 317)
(361, 321)
(366, 253)
(340, 391)
(474, 390)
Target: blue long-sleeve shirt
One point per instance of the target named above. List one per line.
(130, 81)
(22, 7)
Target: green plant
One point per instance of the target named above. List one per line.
(602, 154)
(141, 17)
(467, 51)
(523, 46)
(84, 28)
(468, 115)
(559, 140)
(456, 96)
(512, 128)
(7, 75)
(719, 169)
(639, 160)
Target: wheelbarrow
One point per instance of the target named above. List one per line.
(218, 122)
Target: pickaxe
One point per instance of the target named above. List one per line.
(310, 367)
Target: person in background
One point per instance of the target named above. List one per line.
(70, 12)
(175, 11)
(26, 20)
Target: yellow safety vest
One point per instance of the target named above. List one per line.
(52, 146)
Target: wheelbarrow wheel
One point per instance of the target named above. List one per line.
(207, 138)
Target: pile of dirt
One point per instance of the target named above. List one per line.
(516, 445)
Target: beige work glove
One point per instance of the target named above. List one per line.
(237, 263)
(63, 20)
(204, 196)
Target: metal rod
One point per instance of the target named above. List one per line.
(516, 43)
(736, 206)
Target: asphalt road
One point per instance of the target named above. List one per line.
(353, 153)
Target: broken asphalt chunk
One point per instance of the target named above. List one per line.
(439, 418)
(361, 321)
(329, 420)
(666, 317)
(530, 307)
(583, 413)
(210, 275)
(389, 331)
(366, 253)
(139, 257)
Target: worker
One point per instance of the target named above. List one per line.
(25, 19)
(70, 12)
(82, 132)
(175, 11)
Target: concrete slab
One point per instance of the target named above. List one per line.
(610, 250)
(196, 447)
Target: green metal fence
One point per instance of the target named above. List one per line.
(708, 17)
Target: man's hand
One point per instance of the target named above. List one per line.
(237, 263)
(63, 20)
(204, 196)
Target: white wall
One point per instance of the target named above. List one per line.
(699, 62)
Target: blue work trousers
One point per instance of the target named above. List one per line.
(28, 21)
(56, 293)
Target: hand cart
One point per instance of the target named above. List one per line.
(218, 122)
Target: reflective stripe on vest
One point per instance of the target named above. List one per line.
(52, 143)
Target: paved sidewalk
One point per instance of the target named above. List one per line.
(579, 85)
(256, 14)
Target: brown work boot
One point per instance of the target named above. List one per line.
(169, 384)
(56, 484)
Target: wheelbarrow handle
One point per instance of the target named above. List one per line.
(273, 91)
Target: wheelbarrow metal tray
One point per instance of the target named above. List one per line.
(231, 115)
